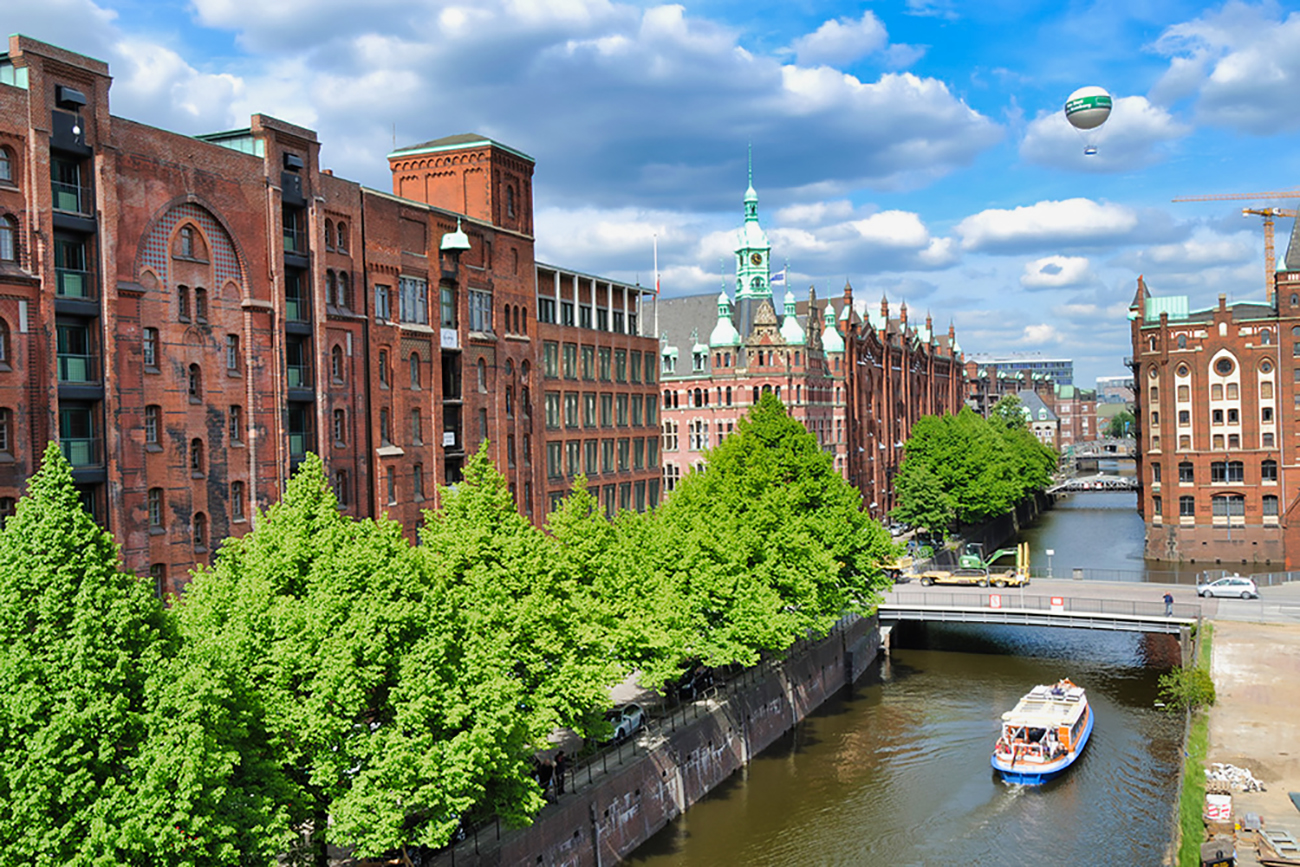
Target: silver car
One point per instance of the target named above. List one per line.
(1234, 586)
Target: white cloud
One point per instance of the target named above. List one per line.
(1072, 222)
(814, 213)
(1040, 334)
(1241, 61)
(1204, 249)
(1056, 272)
(842, 40)
(1136, 135)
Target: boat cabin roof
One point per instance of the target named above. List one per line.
(1048, 707)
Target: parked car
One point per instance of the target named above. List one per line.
(626, 720)
(898, 529)
(1230, 585)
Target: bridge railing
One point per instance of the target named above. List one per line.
(1186, 577)
(1034, 602)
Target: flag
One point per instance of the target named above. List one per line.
(778, 279)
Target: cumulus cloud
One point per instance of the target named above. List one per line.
(1240, 62)
(1040, 334)
(1204, 249)
(1137, 134)
(1070, 223)
(1056, 272)
(844, 40)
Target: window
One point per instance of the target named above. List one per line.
(607, 456)
(183, 303)
(76, 360)
(1266, 440)
(343, 296)
(155, 500)
(412, 300)
(1266, 414)
(340, 427)
(636, 366)
(671, 475)
(571, 409)
(1155, 473)
(1233, 416)
(620, 365)
(622, 410)
(624, 454)
(417, 428)
(510, 451)
(158, 573)
(480, 369)
(584, 316)
(1186, 474)
(1266, 390)
(417, 481)
(200, 532)
(414, 364)
(1216, 416)
(1268, 471)
(618, 322)
(570, 361)
(329, 234)
(382, 309)
(607, 410)
(546, 310)
(196, 458)
(201, 305)
(1187, 506)
(1157, 506)
(510, 402)
(1229, 509)
(385, 431)
(550, 359)
(588, 362)
(391, 476)
(573, 457)
(6, 165)
(152, 419)
(1184, 394)
(602, 319)
(1236, 471)
(235, 422)
(552, 409)
(651, 410)
(480, 311)
(670, 436)
(342, 238)
(566, 313)
(297, 304)
(383, 368)
(8, 239)
(510, 201)
(638, 453)
(237, 501)
(1232, 391)
(637, 416)
(1216, 391)
(194, 384)
(232, 353)
(1184, 418)
(554, 455)
(341, 487)
(1269, 504)
(589, 410)
(297, 357)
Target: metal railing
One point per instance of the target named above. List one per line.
(83, 452)
(74, 283)
(77, 368)
(71, 198)
(1012, 599)
(295, 240)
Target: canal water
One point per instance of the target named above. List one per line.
(896, 771)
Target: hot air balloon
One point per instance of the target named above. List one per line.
(1086, 110)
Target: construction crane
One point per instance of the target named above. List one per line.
(1269, 214)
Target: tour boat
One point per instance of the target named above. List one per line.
(1044, 735)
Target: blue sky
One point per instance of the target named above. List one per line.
(916, 149)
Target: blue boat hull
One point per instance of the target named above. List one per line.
(1037, 776)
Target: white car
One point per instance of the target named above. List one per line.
(626, 720)
(1234, 586)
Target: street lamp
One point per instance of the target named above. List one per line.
(1050, 552)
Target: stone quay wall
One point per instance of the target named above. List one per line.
(615, 805)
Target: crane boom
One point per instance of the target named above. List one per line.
(1228, 197)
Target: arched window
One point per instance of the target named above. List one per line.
(728, 395)
(194, 383)
(341, 487)
(344, 298)
(8, 239)
(4, 342)
(183, 303)
(1266, 337)
(201, 304)
(200, 531)
(415, 369)
(383, 368)
(668, 399)
(342, 244)
(331, 288)
(481, 367)
(756, 394)
(196, 457)
(1182, 341)
(1268, 471)
(6, 165)
(336, 363)
(237, 501)
(329, 234)
(340, 427)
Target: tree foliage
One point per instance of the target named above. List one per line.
(1120, 424)
(1187, 688)
(1010, 410)
(974, 467)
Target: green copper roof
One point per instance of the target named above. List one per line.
(1174, 305)
(456, 142)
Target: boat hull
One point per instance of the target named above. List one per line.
(1039, 773)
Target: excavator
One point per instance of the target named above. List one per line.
(973, 568)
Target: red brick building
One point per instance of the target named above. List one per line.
(189, 316)
(897, 372)
(1217, 396)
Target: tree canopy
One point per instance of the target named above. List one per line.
(965, 468)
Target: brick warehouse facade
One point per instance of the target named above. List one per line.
(1217, 396)
(188, 317)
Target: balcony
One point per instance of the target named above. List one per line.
(82, 452)
(72, 198)
(74, 283)
(77, 368)
(295, 241)
(299, 376)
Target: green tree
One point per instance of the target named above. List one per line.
(1010, 410)
(922, 500)
(766, 546)
(1190, 687)
(1121, 424)
(78, 641)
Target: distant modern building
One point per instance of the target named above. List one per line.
(1115, 389)
(1217, 412)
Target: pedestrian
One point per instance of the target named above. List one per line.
(1169, 604)
(561, 766)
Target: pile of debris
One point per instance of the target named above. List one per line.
(1238, 779)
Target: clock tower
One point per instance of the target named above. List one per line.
(753, 251)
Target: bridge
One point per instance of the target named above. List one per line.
(1109, 447)
(1095, 482)
(1074, 607)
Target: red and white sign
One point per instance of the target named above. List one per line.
(995, 600)
(1058, 603)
